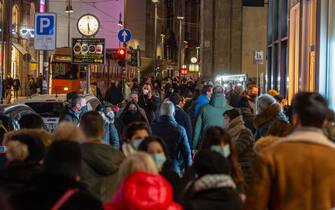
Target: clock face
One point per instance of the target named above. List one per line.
(88, 25)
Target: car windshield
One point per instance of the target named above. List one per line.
(47, 109)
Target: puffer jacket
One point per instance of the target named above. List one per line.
(100, 166)
(264, 120)
(244, 142)
(210, 115)
(143, 191)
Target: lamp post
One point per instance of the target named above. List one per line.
(162, 43)
(155, 2)
(68, 10)
(180, 40)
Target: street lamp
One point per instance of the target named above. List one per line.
(155, 2)
(68, 10)
(180, 18)
(162, 42)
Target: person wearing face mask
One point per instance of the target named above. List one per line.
(156, 147)
(74, 111)
(243, 140)
(133, 137)
(111, 133)
(213, 188)
(218, 140)
(175, 137)
(131, 113)
(148, 102)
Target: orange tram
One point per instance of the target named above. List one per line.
(65, 77)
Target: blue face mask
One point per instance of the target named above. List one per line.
(223, 150)
(136, 143)
(159, 159)
(84, 109)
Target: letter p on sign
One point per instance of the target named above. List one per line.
(45, 25)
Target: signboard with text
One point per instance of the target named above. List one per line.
(45, 31)
(88, 51)
(259, 57)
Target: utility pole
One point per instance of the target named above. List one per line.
(156, 2)
(69, 10)
(180, 41)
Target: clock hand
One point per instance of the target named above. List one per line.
(88, 27)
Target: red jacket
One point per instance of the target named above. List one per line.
(143, 191)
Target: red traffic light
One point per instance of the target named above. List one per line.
(121, 53)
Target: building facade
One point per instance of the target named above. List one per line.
(17, 39)
(292, 46)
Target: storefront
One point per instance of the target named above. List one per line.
(21, 40)
(325, 60)
(302, 41)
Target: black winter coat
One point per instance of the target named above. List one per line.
(69, 116)
(17, 174)
(184, 120)
(149, 105)
(46, 189)
(214, 199)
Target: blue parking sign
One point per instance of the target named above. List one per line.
(45, 31)
(45, 25)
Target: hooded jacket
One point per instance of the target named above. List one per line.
(143, 191)
(176, 140)
(264, 120)
(210, 115)
(200, 102)
(212, 192)
(100, 166)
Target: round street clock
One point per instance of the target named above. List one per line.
(88, 25)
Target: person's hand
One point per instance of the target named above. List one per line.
(149, 95)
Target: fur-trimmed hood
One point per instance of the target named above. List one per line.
(273, 111)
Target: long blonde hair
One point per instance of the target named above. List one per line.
(137, 162)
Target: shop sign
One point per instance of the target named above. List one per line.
(194, 67)
(88, 51)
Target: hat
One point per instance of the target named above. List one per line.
(210, 162)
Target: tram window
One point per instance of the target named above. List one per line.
(64, 71)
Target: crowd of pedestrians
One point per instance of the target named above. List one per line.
(175, 144)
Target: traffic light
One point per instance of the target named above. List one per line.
(121, 55)
(121, 52)
(133, 60)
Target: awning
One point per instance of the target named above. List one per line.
(23, 51)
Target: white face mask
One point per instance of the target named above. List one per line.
(145, 91)
(223, 150)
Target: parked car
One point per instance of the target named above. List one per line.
(50, 107)
(14, 112)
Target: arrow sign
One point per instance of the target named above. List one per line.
(124, 35)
